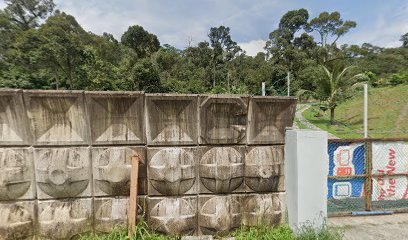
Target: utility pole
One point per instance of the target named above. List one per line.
(288, 83)
(365, 111)
(263, 88)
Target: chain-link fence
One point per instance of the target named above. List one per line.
(367, 174)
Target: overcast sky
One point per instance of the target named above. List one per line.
(178, 22)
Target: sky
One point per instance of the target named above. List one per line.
(183, 22)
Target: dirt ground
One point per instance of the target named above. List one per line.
(372, 227)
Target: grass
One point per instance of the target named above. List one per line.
(321, 119)
(119, 233)
(387, 114)
(299, 124)
(261, 232)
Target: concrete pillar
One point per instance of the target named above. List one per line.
(306, 169)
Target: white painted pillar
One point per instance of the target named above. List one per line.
(306, 170)
(263, 88)
(365, 111)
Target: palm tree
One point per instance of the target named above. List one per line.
(334, 87)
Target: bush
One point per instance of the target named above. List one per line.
(309, 232)
(264, 232)
(261, 232)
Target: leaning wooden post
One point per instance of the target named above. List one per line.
(132, 214)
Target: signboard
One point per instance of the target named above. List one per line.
(341, 189)
(346, 159)
(390, 157)
(390, 188)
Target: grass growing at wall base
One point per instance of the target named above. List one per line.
(262, 232)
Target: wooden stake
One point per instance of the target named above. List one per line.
(132, 214)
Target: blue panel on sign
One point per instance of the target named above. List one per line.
(346, 159)
(340, 189)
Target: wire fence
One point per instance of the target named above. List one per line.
(367, 175)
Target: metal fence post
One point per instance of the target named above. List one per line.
(369, 176)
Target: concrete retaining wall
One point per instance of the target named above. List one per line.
(209, 163)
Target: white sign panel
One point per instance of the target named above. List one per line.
(390, 188)
(390, 157)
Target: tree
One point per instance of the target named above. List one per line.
(404, 40)
(26, 14)
(224, 49)
(141, 41)
(330, 27)
(146, 77)
(333, 87)
(285, 47)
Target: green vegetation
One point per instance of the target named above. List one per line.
(262, 232)
(44, 48)
(142, 232)
(387, 114)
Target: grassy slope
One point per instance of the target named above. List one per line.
(387, 114)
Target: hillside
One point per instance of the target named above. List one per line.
(387, 114)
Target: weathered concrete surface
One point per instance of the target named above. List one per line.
(69, 152)
(63, 172)
(171, 119)
(264, 169)
(268, 117)
(223, 119)
(14, 128)
(116, 117)
(64, 219)
(113, 212)
(57, 117)
(17, 220)
(218, 214)
(372, 227)
(221, 169)
(172, 171)
(263, 209)
(173, 215)
(111, 170)
(16, 174)
(204, 237)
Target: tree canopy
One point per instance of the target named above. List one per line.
(44, 48)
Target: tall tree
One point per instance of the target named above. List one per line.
(26, 13)
(404, 40)
(284, 46)
(330, 27)
(140, 40)
(224, 49)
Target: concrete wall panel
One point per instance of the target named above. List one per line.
(223, 119)
(171, 119)
(264, 168)
(267, 119)
(14, 127)
(113, 212)
(263, 209)
(116, 117)
(172, 215)
(63, 172)
(172, 171)
(218, 214)
(57, 117)
(64, 219)
(111, 170)
(17, 220)
(16, 174)
(221, 169)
